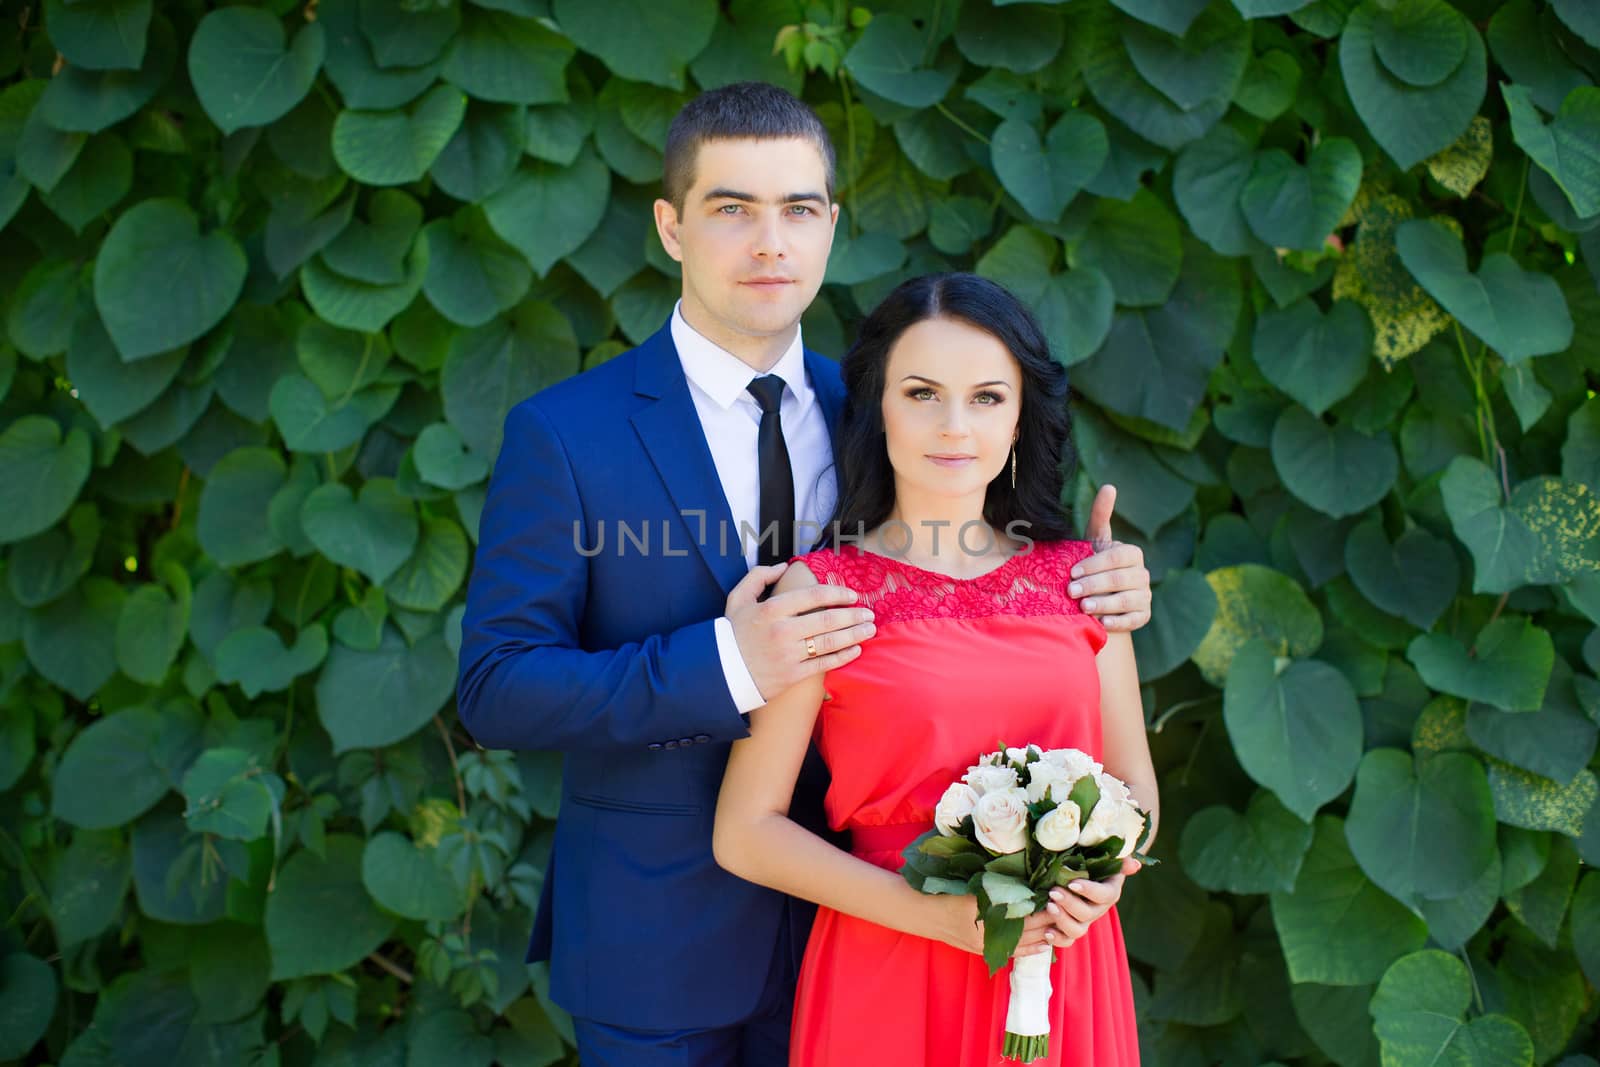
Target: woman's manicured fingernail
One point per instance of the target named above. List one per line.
(1052, 909)
(1076, 588)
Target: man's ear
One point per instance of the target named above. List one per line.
(667, 228)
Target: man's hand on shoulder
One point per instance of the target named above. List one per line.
(1113, 583)
(804, 628)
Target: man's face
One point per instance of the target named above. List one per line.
(753, 238)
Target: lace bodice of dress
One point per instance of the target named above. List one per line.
(1033, 582)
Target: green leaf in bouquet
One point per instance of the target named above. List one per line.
(938, 844)
(1014, 865)
(1000, 936)
(1086, 794)
(955, 887)
(1003, 890)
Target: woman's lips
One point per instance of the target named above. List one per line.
(952, 461)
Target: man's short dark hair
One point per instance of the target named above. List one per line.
(743, 110)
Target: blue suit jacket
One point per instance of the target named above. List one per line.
(611, 659)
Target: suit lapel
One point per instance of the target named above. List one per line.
(672, 436)
(825, 381)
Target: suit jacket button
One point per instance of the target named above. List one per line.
(670, 744)
(701, 739)
(685, 741)
(654, 746)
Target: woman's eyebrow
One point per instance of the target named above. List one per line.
(930, 381)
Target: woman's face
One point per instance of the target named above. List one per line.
(951, 399)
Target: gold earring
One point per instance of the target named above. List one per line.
(1013, 466)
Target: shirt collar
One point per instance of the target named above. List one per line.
(723, 376)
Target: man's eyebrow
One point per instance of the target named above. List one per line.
(751, 198)
(930, 381)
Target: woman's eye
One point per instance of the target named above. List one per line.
(988, 398)
(921, 394)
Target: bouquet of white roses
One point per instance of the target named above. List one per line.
(1019, 823)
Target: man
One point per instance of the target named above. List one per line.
(639, 655)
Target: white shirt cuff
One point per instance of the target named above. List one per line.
(742, 687)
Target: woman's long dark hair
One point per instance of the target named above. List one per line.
(1044, 444)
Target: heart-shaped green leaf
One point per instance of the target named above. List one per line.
(1508, 665)
(492, 368)
(484, 152)
(242, 71)
(1519, 313)
(47, 565)
(1138, 245)
(372, 699)
(117, 753)
(442, 458)
(1423, 829)
(40, 475)
(1565, 147)
(435, 570)
(228, 793)
(887, 59)
(159, 283)
(1336, 470)
(100, 177)
(82, 100)
(357, 306)
(153, 625)
(1581, 18)
(1257, 852)
(1416, 578)
(1296, 730)
(1290, 206)
(1421, 42)
(374, 532)
(319, 917)
(409, 880)
(1188, 607)
(1206, 183)
(1154, 495)
(547, 211)
(1075, 309)
(472, 274)
(1534, 802)
(1548, 533)
(646, 40)
(1204, 63)
(862, 257)
(256, 660)
(310, 422)
(403, 35)
(1418, 1013)
(99, 34)
(360, 626)
(500, 57)
(1317, 359)
(1411, 123)
(396, 147)
(232, 524)
(1556, 741)
(1256, 602)
(1021, 39)
(1337, 928)
(1044, 179)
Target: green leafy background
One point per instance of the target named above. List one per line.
(1325, 274)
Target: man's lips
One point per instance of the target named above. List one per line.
(768, 283)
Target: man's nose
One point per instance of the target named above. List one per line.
(769, 242)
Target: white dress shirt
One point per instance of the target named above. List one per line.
(730, 417)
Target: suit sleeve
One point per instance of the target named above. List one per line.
(523, 681)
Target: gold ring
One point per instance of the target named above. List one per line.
(811, 649)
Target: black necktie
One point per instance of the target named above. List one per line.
(777, 479)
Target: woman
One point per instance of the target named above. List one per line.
(954, 431)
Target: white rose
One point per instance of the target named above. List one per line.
(1058, 830)
(1017, 755)
(1001, 820)
(1102, 821)
(1114, 787)
(956, 804)
(1129, 825)
(985, 778)
(1048, 779)
(1075, 762)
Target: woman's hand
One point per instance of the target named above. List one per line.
(1072, 910)
(956, 923)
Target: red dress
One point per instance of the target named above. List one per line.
(958, 667)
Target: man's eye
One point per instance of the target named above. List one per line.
(730, 209)
(799, 209)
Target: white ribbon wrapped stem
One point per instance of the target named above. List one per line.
(1028, 1014)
